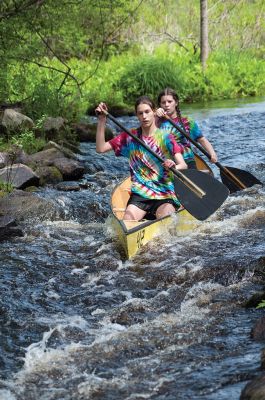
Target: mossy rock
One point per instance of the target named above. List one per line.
(31, 189)
(49, 174)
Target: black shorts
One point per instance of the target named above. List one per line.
(191, 165)
(148, 205)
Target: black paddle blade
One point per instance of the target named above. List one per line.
(200, 207)
(245, 177)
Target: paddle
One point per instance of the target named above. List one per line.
(199, 193)
(234, 178)
(201, 165)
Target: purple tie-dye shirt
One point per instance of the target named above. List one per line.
(149, 178)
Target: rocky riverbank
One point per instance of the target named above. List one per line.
(59, 163)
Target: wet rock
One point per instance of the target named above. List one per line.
(65, 151)
(49, 175)
(74, 148)
(3, 159)
(45, 157)
(258, 331)
(87, 132)
(15, 155)
(53, 127)
(9, 228)
(70, 169)
(93, 167)
(254, 390)
(26, 205)
(255, 300)
(19, 176)
(68, 186)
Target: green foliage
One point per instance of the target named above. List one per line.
(148, 75)
(5, 188)
(103, 85)
(62, 60)
(27, 141)
(262, 304)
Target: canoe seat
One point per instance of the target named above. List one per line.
(205, 170)
(116, 209)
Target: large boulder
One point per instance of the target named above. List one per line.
(19, 175)
(87, 132)
(70, 169)
(67, 152)
(258, 331)
(27, 206)
(53, 127)
(15, 155)
(9, 228)
(14, 121)
(58, 158)
(48, 174)
(45, 157)
(4, 159)
(254, 390)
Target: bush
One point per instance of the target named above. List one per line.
(148, 76)
(27, 141)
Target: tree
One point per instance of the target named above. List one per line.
(204, 33)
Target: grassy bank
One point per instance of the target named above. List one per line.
(121, 79)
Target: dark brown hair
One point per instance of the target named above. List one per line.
(168, 92)
(144, 100)
(171, 92)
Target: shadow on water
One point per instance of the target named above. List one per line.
(78, 321)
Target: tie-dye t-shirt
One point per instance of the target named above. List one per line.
(191, 128)
(149, 178)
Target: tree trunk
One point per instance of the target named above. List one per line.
(204, 33)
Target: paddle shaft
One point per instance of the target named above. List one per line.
(228, 173)
(191, 185)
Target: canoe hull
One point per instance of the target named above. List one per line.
(133, 238)
(133, 235)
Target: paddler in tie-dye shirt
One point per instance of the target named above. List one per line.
(152, 190)
(169, 102)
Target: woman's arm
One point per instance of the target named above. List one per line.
(209, 148)
(177, 163)
(101, 145)
(180, 162)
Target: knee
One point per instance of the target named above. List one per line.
(165, 210)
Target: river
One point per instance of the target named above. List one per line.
(80, 322)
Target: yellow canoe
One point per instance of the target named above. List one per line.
(132, 235)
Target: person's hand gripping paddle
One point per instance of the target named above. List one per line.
(200, 193)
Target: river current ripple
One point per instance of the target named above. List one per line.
(80, 322)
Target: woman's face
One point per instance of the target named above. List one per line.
(168, 103)
(145, 114)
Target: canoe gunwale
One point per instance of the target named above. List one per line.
(141, 226)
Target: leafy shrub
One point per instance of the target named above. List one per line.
(5, 188)
(148, 76)
(28, 142)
